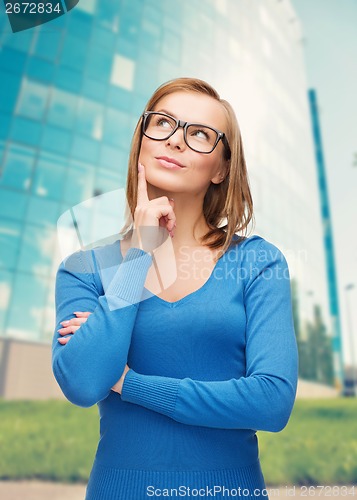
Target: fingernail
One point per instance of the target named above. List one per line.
(65, 323)
(77, 312)
(171, 199)
(140, 167)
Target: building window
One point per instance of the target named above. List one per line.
(122, 72)
(90, 118)
(32, 100)
(10, 232)
(49, 176)
(10, 85)
(47, 43)
(17, 169)
(5, 294)
(26, 131)
(27, 306)
(42, 212)
(37, 247)
(62, 108)
(85, 149)
(74, 53)
(12, 204)
(79, 182)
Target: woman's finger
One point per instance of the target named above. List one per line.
(143, 197)
(172, 203)
(168, 214)
(63, 340)
(68, 329)
(163, 221)
(74, 321)
(82, 314)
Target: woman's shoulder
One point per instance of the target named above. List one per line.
(255, 248)
(254, 256)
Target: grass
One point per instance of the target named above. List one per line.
(54, 440)
(317, 447)
(51, 440)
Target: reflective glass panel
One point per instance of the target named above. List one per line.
(18, 166)
(49, 176)
(10, 85)
(12, 204)
(79, 182)
(90, 118)
(62, 108)
(36, 250)
(32, 99)
(5, 295)
(26, 131)
(85, 149)
(10, 233)
(42, 211)
(27, 307)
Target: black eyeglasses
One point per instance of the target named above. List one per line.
(200, 138)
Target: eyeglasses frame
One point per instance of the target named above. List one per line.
(180, 123)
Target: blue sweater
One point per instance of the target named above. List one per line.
(206, 372)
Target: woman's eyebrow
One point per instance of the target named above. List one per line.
(174, 116)
(166, 112)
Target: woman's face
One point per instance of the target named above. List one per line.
(197, 170)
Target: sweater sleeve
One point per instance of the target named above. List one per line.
(263, 399)
(94, 359)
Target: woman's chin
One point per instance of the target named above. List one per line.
(160, 183)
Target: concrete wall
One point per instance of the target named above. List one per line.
(25, 371)
(307, 389)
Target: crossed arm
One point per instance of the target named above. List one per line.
(261, 400)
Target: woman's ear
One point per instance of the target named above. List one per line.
(221, 174)
(217, 179)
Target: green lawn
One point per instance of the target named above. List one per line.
(55, 440)
(318, 446)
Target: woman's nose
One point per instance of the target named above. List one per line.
(176, 140)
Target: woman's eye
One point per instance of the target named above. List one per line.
(163, 123)
(201, 134)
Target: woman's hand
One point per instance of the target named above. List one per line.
(72, 325)
(151, 217)
(118, 387)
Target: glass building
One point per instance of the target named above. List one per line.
(72, 92)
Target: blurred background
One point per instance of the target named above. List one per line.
(72, 91)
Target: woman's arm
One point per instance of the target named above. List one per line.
(264, 398)
(94, 359)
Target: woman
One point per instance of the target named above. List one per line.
(183, 378)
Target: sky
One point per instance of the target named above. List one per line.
(330, 45)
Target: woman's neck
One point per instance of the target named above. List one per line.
(191, 224)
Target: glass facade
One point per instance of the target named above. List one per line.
(72, 92)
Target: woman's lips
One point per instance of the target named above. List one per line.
(169, 163)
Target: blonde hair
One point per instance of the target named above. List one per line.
(227, 206)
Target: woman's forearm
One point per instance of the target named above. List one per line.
(92, 362)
